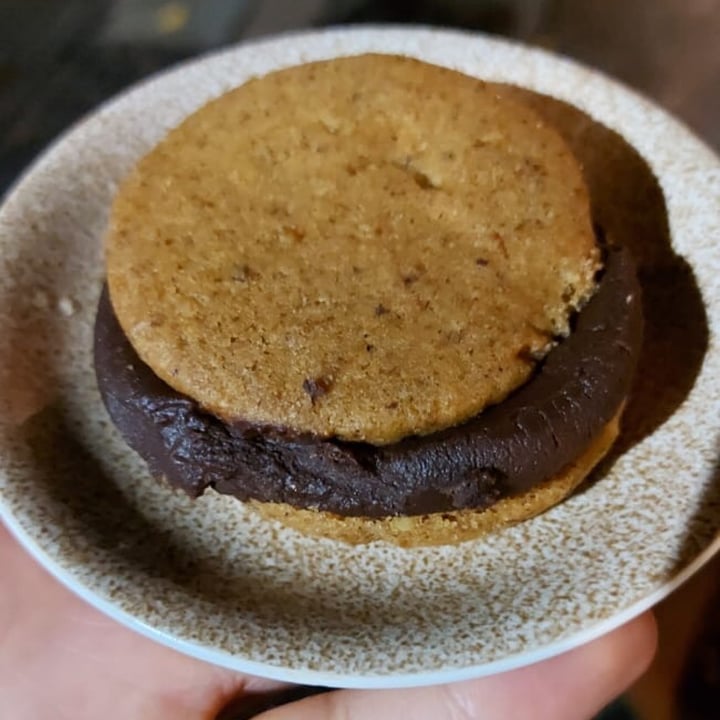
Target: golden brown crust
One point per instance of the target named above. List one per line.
(366, 248)
(446, 528)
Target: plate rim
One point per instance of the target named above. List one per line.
(342, 680)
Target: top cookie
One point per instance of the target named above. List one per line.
(369, 247)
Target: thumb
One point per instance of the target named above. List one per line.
(573, 686)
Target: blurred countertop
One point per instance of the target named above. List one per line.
(60, 58)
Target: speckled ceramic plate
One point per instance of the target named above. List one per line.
(214, 581)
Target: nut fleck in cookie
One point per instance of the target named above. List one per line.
(365, 248)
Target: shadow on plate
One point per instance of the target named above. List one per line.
(103, 525)
(629, 205)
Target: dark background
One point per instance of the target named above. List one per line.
(60, 58)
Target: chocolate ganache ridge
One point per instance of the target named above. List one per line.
(526, 439)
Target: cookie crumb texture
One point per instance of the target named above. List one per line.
(367, 248)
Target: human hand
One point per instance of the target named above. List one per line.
(60, 658)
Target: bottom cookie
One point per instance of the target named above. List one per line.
(445, 528)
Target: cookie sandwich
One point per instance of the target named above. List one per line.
(365, 296)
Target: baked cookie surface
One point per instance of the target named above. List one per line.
(365, 248)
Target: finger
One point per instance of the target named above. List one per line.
(572, 686)
(61, 658)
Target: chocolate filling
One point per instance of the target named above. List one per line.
(529, 437)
